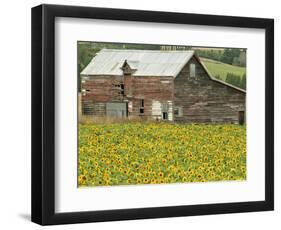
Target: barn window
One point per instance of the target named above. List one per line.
(142, 106)
(192, 70)
(142, 103)
(164, 110)
(120, 88)
(178, 111)
(241, 117)
(88, 108)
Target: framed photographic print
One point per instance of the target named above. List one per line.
(142, 114)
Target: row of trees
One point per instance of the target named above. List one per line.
(236, 80)
(230, 56)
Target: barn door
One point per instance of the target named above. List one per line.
(241, 117)
(116, 109)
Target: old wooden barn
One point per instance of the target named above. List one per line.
(159, 85)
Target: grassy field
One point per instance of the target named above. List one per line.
(150, 153)
(221, 69)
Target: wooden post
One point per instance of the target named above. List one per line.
(79, 105)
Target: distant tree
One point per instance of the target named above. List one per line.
(86, 51)
(227, 56)
(237, 80)
(242, 59)
(236, 61)
(209, 53)
(243, 81)
(233, 79)
(234, 57)
(229, 78)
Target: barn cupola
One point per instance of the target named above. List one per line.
(128, 76)
(127, 69)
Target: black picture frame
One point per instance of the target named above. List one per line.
(43, 114)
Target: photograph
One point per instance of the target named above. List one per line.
(141, 114)
(160, 114)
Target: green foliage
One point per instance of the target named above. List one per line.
(221, 69)
(218, 77)
(240, 60)
(236, 80)
(243, 82)
(235, 57)
(86, 51)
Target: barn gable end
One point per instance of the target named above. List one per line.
(204, 100)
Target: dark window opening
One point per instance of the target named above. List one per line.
(178, 111)
(241, 117)
(165, 115)
(142, 102)
(88, 108)
(120, 88)
(141, 106)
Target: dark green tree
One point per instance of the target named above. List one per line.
(233, 79)
(243, 81)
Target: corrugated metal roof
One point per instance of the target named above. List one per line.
(146, 62)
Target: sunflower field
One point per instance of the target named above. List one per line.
(155, 153)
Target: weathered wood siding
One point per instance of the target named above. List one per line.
(154, 91)
(98, 90)
(203, 100)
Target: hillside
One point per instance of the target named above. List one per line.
(221, 69)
